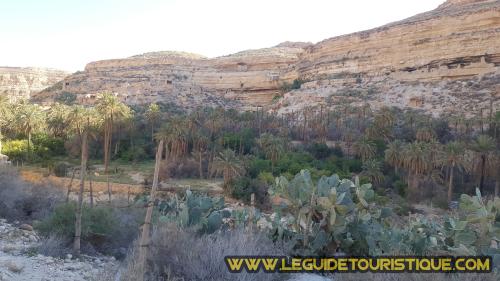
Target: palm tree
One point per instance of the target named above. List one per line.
(496, 124)
(229, 164)
(199, 150)
(425, 133)
(82, 121)
(272, 146)
(393, 154)
(453, 156)
(57, 119)
(29, 118)
(153, 115)
(372, 169)
(111, 110)
(364, 148)
(416, 160)
(483, 146)
(176, 137)
(385, 118)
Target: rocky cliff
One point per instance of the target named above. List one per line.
(20, 83)
(247, 78)
(450, 56)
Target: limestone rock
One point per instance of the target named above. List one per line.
(26, 227)
(18, 83)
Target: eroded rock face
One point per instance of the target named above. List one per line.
(246, 78)
(19, 83)
(411, 61)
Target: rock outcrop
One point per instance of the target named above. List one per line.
(247, 78)
(420, 58)
(19, 83)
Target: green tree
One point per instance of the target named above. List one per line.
(372, 169)
(394, 155)
(425, 133)
(83, 121)
(29, 118)
(153, 116)
(112, 110)
(364, 148)
(483, 146)
(416, 160)
(453, 157)
(272, 147)
(229, 164)
(57, 119)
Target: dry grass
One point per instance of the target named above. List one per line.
(178, 254)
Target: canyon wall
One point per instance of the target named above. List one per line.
(249, 78)
(448, 55)
(18, 83)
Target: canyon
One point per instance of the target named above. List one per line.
(442, 61)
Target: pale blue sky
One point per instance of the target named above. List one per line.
(67, 34)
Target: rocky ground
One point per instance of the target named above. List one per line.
(20, 261)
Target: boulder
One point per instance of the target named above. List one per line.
(26, 227)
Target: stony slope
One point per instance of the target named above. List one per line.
(414, 62)
(20, 262)
(20, 83)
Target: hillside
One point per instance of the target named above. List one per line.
(22, 82)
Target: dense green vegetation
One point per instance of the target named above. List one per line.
(407, 152)
(324, 181)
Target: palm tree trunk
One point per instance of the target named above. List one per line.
(450, 184)
(78, 213)
(497, 188)
(481, 182)
(144, 241)
(200, 163)
(70, 185)
(29, 144)
(91, 190)
(107, 151)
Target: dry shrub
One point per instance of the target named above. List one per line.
(181, 168)
(23, 201)
(179, 254)
(54, 246)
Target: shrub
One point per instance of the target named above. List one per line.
(400, 187)
(23, 201)
(135, 154)
(54, 246)
(242, 189)
(61, 169)
(96, 222)
(181, 168)
(66, 98)
(17, 150)
(47, 147)
(266, 177)
(319, 150)
(258, 165)
(204, 259)
(106, 230)
(296, 84)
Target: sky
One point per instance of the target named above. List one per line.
(68, 34)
